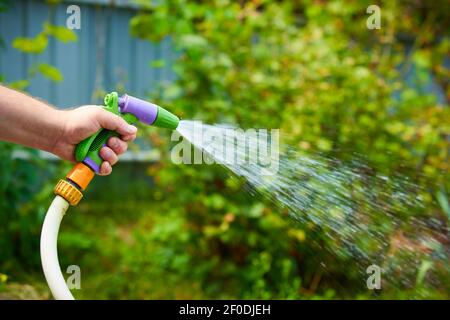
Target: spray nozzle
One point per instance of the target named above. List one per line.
(132, 110)
(147, 112)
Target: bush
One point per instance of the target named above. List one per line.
(332, 86)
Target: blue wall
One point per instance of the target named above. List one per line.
(104, 56)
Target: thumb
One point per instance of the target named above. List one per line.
(113, 122)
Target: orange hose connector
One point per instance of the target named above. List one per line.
(81, 174)
(76, 181)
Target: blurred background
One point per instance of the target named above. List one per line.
(155, 230)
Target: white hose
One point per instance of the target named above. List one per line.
(49, 251)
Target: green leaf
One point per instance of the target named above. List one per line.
(443, 202)
(157, 63)
(3, 278)
(153, 27)
(192, 41)
(60, 32)
(19, 85)
(423, 269)
(50, 72)
(256, 210)
(31, 45)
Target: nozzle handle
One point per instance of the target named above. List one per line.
(87, 151)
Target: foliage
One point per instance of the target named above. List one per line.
(21, 197)
(332, 86)
(37, 45)
(50, 72)
(23, 192)
(310, 68)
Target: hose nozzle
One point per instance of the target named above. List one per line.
(148, 112)
(132, 110)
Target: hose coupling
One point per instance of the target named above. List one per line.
(76, 181)
(68, 191)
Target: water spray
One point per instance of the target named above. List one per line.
(69, 191)
(314, 189)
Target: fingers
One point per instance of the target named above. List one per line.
(113, 122)
(105, 169)
(128, 138)
(110, 153)
(117, 145)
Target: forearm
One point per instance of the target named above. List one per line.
(28, 121)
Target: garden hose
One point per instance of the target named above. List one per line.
(69, 191)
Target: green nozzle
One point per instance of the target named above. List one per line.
(166, 119)
(132, 110)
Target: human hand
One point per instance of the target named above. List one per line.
(82, 122)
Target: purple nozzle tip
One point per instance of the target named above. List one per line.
(91, 164)
(145, 111)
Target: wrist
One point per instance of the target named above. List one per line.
(59, 119)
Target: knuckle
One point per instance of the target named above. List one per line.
(98, 112)
(123, 147)
(106, 153)
(113, 142)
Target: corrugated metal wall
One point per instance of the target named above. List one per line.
(104, 57)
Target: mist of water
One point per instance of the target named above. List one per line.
(370, 217)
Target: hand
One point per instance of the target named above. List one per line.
(80, 123)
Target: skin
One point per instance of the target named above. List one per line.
(30, 122)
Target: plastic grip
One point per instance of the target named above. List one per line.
(87, 151)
